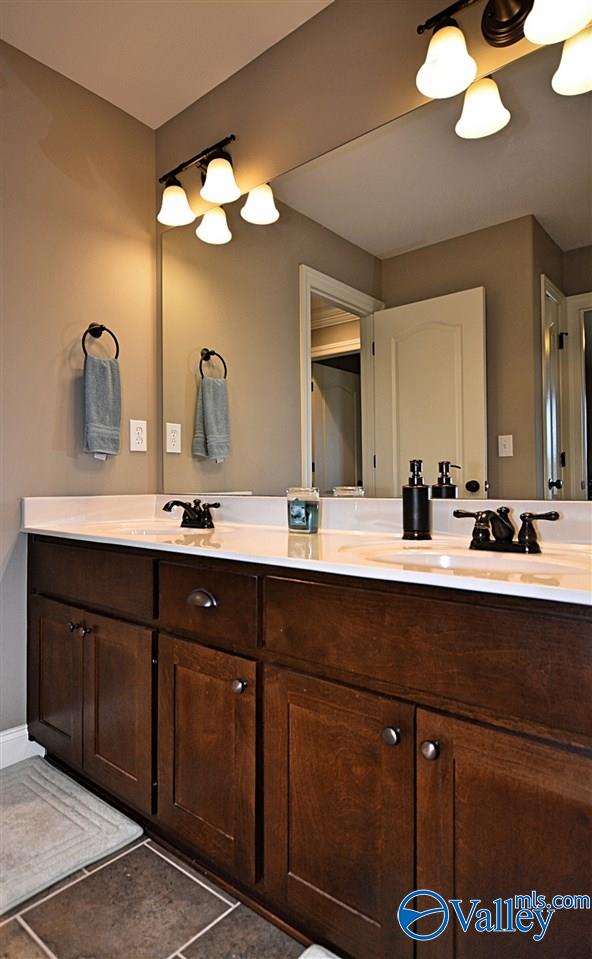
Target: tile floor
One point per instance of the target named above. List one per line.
(141, 903)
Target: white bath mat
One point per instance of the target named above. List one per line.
(50, 827)
(317, 952)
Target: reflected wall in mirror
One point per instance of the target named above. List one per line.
(424, 285)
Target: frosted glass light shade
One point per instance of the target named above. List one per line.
(175, 209)
(214, 227)
(260, 207)
(551, 21)
(448, 68)
(220, 185)
(574, 74)
(483, 112)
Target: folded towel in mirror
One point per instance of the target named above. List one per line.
(211, 435)
(102, 405)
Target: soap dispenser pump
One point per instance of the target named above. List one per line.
(445, 488)
(416, 504)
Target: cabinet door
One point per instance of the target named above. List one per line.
(499, 816)
(118, 708)
(339, 827)
(55, 678)
(207, 752)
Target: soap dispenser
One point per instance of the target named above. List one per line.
(416, 504)
(445, 488)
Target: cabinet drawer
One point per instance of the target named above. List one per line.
(212, 605)
(104, 579)
(513, 663)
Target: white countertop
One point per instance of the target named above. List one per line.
(562, 572)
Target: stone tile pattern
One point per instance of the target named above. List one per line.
(145, 903)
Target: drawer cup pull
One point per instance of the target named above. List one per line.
(430, 750)
(239, 686)
(202, 599)
(391, 736)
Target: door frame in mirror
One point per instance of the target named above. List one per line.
(364, 306)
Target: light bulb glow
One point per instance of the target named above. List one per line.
(214, 227)
(220, 185)
(175, 209)
(551, 21)
(260, 207)
(483, 112)
(448, 68)
(574, 74)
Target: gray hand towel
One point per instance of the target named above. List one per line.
(211, 436)
(102, 405)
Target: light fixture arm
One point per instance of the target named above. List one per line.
(198, 159)
(440, 18)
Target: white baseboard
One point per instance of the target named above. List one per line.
(15, 746)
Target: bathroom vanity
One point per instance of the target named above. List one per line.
(324, 743)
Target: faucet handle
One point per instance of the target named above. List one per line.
(481, 528)
(551, 515)
(464, 514)
(528, 535)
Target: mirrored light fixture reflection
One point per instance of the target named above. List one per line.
(260, 207)
(220, 185)
(551, 21)
(483, 112)
(214, 227)
(175, 209)
(448, 69)
(574, 74)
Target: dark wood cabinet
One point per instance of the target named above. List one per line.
(118, 708)
(339, 810)
(55, 678)
(497, 816)
(288, 712)
(207, 752)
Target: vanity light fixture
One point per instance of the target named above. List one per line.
(214, 227)
(448, 69)
(552, 22)
(260, 207)
(175, 209)
(574, 73)
(483, 112)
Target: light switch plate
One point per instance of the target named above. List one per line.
(138, 436)
(173, 437)
(505, 445)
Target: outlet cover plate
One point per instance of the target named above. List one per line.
(138, 436)
(173, 437)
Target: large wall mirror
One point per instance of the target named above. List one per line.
(421, 296)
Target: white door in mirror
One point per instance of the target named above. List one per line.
(138, 436)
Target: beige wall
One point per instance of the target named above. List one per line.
(344, 72)
(243, 301)
(502, 259)
(77, 246)
(577, 271)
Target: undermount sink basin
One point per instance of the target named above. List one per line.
(481, 563)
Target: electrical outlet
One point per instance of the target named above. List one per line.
(173, 437)
(138, 436)
(505, 445)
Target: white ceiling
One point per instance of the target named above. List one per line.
(414, 182)
(151, 58)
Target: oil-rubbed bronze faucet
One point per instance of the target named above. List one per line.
(503, 529)
(195, 515)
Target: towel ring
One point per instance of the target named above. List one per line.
(96, 330)
(206, 356)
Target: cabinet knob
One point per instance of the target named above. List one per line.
(430, 750)
(201, 598)
(239, 686)
(73, 627)
(391, 736)
(84, 631)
